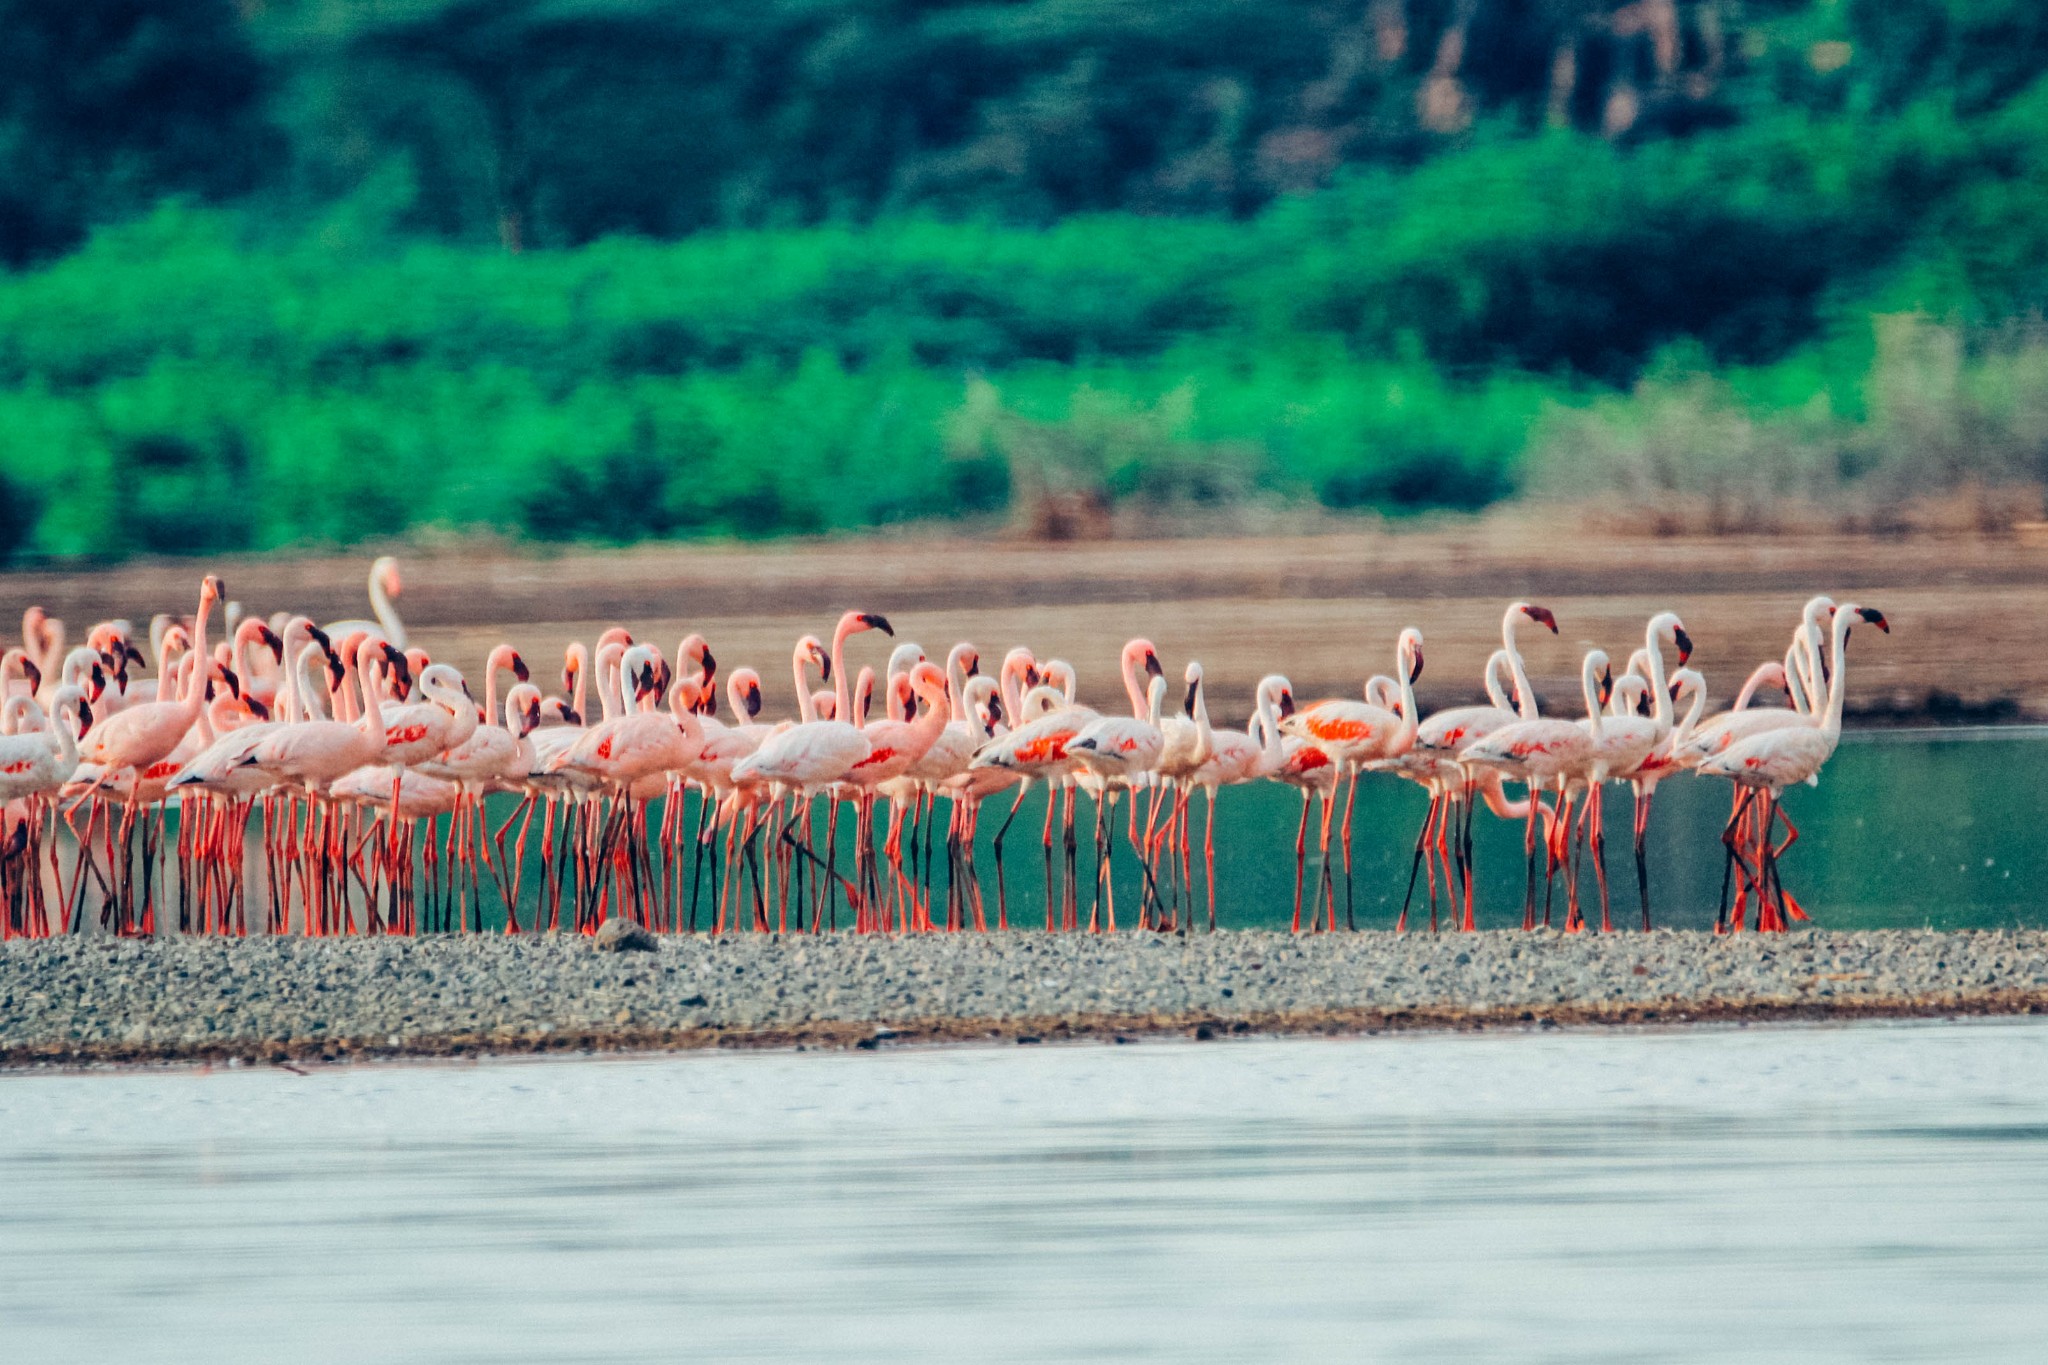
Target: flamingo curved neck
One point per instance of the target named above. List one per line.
(1653, 643)
(1525, 696)
(382, 608)
(1133, 689)
(1589, 683)
(1831, 722)
(372, 719)
(1404, 673)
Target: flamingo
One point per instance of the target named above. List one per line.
(1190, 742)
(1547, 752)
(1624, 739)
(813, 754)
(1355, 733)
(1119, 753)
(894, 746)
(1235, 757)
(1310, 771)
(385, 584)
(1038, 748)
(1767, 763)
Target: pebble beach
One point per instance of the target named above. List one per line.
(88, 1001)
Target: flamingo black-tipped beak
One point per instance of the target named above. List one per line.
(84, 717)
(320, 635)
(1674, 689)
(1189, 704)
(1606, 685)
(519, 668)
(1415, 669)
(1152, 665)
(132, 655)
(1031, 676)
(753, 702)
(876, 621)
(572, 715)
(33, 674)
(1286, 705)
(1875, 618)
(227, 675)
(98, 681)
(710, 662)
(1542, 616)
(1684, 644)
(995, 711)
(256, 708)
(974, 665)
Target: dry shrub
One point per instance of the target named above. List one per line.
(1956, 441)
(1112, 465)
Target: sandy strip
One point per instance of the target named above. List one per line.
(94, 1001)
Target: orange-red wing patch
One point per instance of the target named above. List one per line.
(1337, 731)
(157, 770)
(20, 766)
(406, 734)
(1752, 763)
(878, 756)
(1044, 749)
(604, 747)
(1128, 745)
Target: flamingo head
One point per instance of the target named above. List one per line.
(1286, 702)
(387, 576)
(32, 673)
(271, 640)
(970, 663)
(1542, 616)
(1875, 618)
(1606, 684)
(1413, 639)
(813, 652)
(744, 690)
(229, 677)
(211, 589)
(519, 669)
(869, 620)
(1684, 643)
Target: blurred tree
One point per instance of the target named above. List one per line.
(106, 105)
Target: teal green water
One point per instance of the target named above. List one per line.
(1920, 828)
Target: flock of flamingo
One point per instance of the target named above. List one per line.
(364, 766)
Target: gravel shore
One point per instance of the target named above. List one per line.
(72, 1001)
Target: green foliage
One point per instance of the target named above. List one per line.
(612, 269)
(105, 105)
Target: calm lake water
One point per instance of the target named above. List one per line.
(1876, 1192)
(1908, 829)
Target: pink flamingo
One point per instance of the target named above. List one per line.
(1354, 733)
(1765, 764)
(1547, 752)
